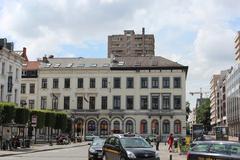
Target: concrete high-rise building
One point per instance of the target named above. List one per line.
(213, 99)
(237, 47)
(131, 44)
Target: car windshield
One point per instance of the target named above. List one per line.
(218, 148)
(98, 142)
(235, 149)
(200, 148)
(134, 143)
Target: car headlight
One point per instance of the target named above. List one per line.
(92, 150)
(130, 154)
(157, 155)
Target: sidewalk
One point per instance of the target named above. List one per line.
(164, 153)
(40, 148)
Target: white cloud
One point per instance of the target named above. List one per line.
(43, 26)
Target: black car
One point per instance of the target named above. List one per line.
(128, 147)
(95, 149)
(215, 150)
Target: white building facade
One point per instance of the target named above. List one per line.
(10, 72)
(144, 95)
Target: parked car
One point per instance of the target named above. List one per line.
(90, 137)
(63, 139)
(220, 150)
(128, 147)
(95, 150)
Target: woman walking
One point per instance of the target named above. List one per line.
(170, 142)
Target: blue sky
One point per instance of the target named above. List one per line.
(196, 33)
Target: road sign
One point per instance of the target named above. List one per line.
(34, 120)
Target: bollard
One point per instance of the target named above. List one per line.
(170, 157)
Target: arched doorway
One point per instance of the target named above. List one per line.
(78, 127)
(129, 126)
(155, 127)
(103, 128)
(92, 127)
(143, 127)
(177, 127)
(116, 127)
(166, 127)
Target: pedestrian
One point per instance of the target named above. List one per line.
(158, 139)
(8, 140)
(170, 142)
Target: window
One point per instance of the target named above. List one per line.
(31, 104)
(143, 127)
(54, 102)
(79, 102)
(166, 127)
(92, 83)
(177, 127)
(129, 102)
(66, 102)
(92, 103)
(17, 73)
(177, 102)
(116, 125)
(32, 88)
(3, 68)
(235, 149)
(116, 82)
(43, 102)
(10, 69)
(23, 88)
(67, 83)
(104, 82)
(130, 82)
(144, 82)
(155, 82)
(116, 102)
(155, 127)
(55, 83)
(103, 128)
(1, 92)
(91, 127)
(166, 82)
(44, 83)
(201, 148)
(80, 82)
(155, 102)
(166, 101)
(104, 102)
(177, 82)
(144, 102)
(219, 149)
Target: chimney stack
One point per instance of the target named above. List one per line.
(143, 31)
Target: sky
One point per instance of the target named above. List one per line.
(196, 33)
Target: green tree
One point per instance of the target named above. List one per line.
(203, 114)
(22, 115)
(40, 118)
(61, 121)
(8, 112)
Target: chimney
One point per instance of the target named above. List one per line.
(10, 46)
(45, 59)
(143, 31)
(24, 54)
(3, 42)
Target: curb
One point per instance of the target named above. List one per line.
(42, 150)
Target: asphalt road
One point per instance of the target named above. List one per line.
(79, 153)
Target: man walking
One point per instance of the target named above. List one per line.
(158, 139)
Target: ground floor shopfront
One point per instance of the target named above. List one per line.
(103, 125)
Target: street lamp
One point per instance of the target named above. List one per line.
(54, 101)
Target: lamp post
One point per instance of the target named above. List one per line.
(54, 101)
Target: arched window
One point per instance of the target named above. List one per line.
(91, 127)
(166, 127)
(177, 127)
(116, 125)
(143, 127)
(104, 127)
(129, 126)
(155, 127)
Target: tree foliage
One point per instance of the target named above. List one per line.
(188, 110)
(61, 121)
(7, 112)
(50, 119)
(203, 114)
(40, 118)
(22, 115)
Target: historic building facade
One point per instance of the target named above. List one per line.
(141, 95)
(10, 72)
